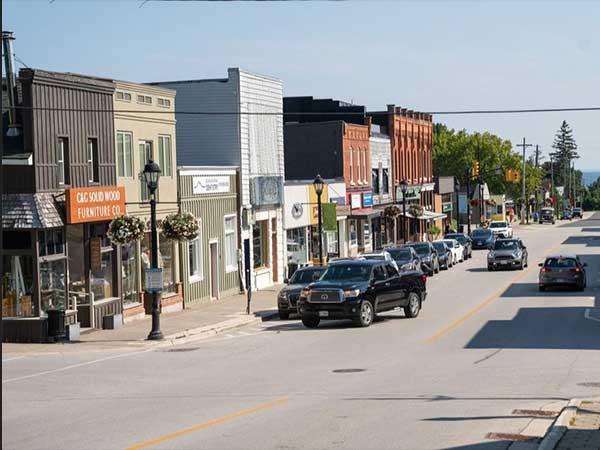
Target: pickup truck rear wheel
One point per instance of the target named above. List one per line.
(412, 309)
(311, 322)
(366, 314)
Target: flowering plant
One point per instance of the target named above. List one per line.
(415, 210)
(391, 211)
(125, 229)
(180, 227)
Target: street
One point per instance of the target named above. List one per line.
(485, 344)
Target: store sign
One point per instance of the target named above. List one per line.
(211, 185)
(266, 191)
(367, 199)
(355, 201)
(446, 207)
(95, 204)
(154, 280)
(96, 254)
(412, 193)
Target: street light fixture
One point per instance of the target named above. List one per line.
(151, 176)
(319, 183)
(404, 190)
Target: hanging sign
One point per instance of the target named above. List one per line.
(96, 254)
(96, 204)
(154, 280)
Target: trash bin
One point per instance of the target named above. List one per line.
(56, 323)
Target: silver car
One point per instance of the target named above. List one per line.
(507, 254)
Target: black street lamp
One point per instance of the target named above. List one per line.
(318, 183)
(151, 176)
(457, 192)
(404, 190)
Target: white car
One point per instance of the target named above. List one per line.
(458, 251)
(501, 229)
(383, 256)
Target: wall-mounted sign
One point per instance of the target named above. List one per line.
(266, 191)
(338, 200)
(355, 202)
(412, 193)
(210, 184)
(154, 280)
(446, 207)
(297, 210)
(96, 254)
(96, 204)
(367, 199)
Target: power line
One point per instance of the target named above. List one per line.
(310, 113)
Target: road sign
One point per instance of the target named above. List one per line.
(154, 280)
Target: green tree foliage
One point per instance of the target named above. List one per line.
(565, 152)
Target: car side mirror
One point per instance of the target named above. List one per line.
(541, 264)
(524, 248)
(286, 281)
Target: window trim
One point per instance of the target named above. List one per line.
(124, 93)
(358, 170)
(131, 159)
(144, 98)
(164, 100)
(199, 276)
(65, 161)
(234, 267)
(161, 154)
(93, 159)
(351, 166)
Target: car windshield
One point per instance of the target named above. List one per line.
(481, 233)
(440, 246)
(421, 249)
(449, 243)
(400, 254)
(358, 272)
(505, 245)
(498, 225)
(459, 237)
(561, 263)
(306, 276)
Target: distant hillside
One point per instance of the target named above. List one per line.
(590, 177)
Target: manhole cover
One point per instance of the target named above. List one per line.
(181, 350)
(348, 370)
(590, 384)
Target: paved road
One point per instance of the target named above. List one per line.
(484, 345)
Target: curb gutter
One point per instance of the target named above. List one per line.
(560, 425)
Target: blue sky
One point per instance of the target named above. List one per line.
(427, 55)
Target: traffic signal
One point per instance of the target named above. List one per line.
(512, 176)
(475, 172)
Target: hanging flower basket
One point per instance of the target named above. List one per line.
(415, 210)
(126, 229)
(391, 212)
(180, 227)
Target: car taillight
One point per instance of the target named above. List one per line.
(576, 269)
(424, 278)
(545, 269)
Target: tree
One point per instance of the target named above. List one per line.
(566, 151)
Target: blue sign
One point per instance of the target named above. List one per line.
(367, 199)
(154, 280)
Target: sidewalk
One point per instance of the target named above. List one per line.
(194, 322)
(577, 427)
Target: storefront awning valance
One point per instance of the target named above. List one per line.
(30, 211)
(427, 215)
(364, 214)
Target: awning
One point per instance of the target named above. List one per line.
(427, 215)
(30, 211)
(364, 213)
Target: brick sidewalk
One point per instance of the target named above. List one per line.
(584, 428)
(229, 312)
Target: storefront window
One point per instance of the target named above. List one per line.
(364, 239)
(165, 261)
(145, 257)
(259, 244)
(17, 286)
(102, 280)
(129, 269)
(331, 238)
(77, 266)
(53, 284)
(296, 245)
(353, 233)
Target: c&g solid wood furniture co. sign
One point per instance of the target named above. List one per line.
(95, 204)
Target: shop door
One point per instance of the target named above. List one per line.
(274, 249)
(214, 270)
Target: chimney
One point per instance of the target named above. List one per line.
(13, 126)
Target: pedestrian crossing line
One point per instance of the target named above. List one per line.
(592, 314)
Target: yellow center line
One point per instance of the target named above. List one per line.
(208, 424)
(489, 300)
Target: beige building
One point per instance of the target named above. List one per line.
(145, 129)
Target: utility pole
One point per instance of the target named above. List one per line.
(537, 165)
(552, 181)
(468, 202)
(524, 205)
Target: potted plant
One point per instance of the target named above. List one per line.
(180, 227)
(415, 210)
(433, 231)
(126, 229)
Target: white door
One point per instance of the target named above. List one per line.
(214, 270)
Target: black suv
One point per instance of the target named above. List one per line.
(288, 296)
(464, 240)
(430, 262)
(358, 290)
(406, 258)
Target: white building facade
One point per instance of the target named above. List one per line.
(245, 130)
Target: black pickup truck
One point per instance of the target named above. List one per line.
(358, 290)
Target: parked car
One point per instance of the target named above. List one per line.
(288, 297)
(501, 228)
(458, 251)
(430, 264)
(483, 238)
(464, 240)
(566, 215)
(445, 256)
(507, 254)
(577, 212)
(406, 258)
(562, 270)
(380, 256)
(547, 215)
(358, 290)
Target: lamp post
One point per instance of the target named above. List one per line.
(318, 183)
(404, 190)
(457, 192)
(151, 176)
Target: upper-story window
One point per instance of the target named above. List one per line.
(375, 180)
(62, 160)
(364, 153)
(358, 163)
(351, 166)
(93, 165)
(146, 99)
(385, 181)
(146, 154)
(165, 155)
(163, 102)
(124, 154)
(123, 96)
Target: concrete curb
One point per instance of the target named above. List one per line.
(207, 331)
(560, 425)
